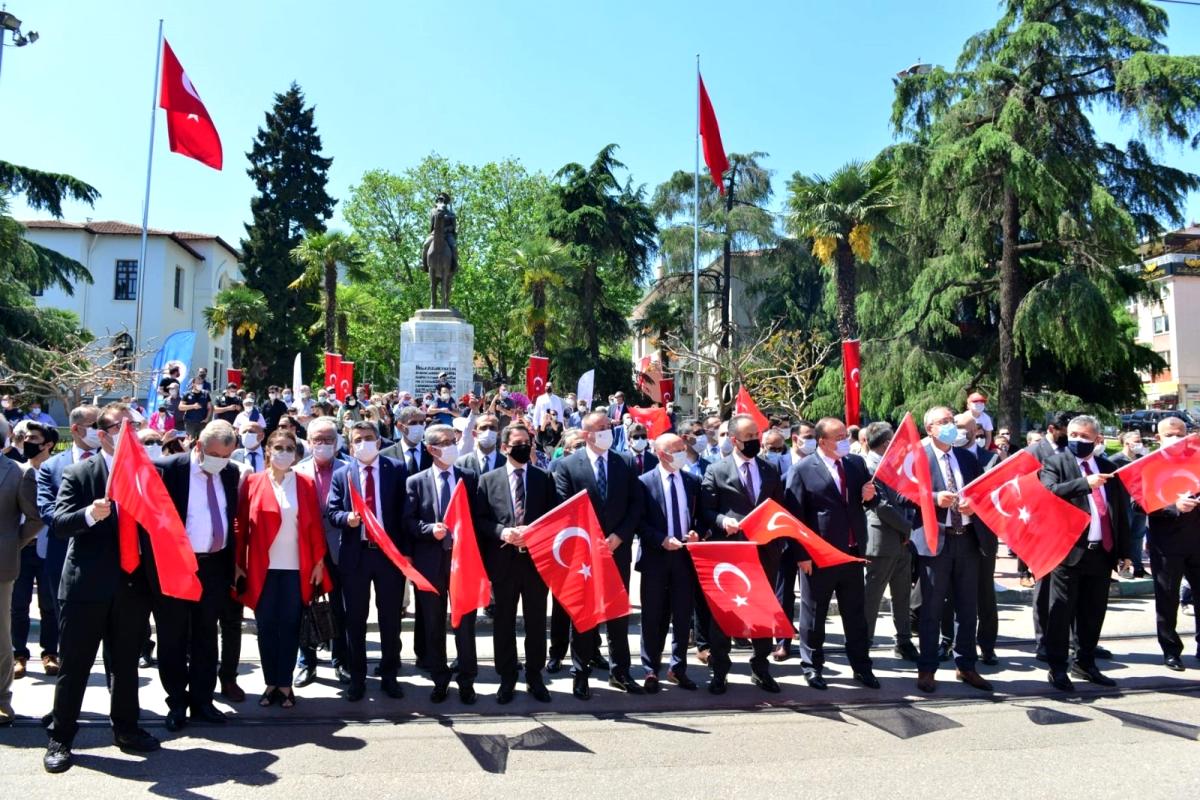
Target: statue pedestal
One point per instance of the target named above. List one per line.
(437, 340)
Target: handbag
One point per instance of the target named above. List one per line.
(318, 627)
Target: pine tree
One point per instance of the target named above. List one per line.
(290, 174)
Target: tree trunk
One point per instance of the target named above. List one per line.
(1011, 369)
(588, 301)
(538, 301)
(343, 335)
(331, 317)
(846, 289)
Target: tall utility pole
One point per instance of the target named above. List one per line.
(9, 22)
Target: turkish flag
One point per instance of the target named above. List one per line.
(1040, 527)
(744, 404)
(851, 361)
(905, 468)
(656, 420)
(137, 489)
(568, 548)
(333, 368)
(667, 390)
(378, 535)
(536, 375)
(189, 127)
(769, 521)
(233, 376)
(741, 599)
(1161, 478)
(710, 132)
(470, 589)
(345, 379)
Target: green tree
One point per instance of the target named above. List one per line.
(239, 309)
(1030, 215)
(320, 254)
(289, 175)
(542, 266)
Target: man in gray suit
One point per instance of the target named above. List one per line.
(19, 525)
(251, 440)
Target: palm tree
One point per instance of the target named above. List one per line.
(844, 215)
(320, 253)
(542, 264)
(240, 309)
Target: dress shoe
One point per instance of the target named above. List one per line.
(1092, 675)
(176, 720)
(600, 662)
(651, 684)
(1060, 681)
(19, 668)
(136, 742)
(57, 758)
(6, 719)
(355, 692)
(906, 651)
(504, 695)
(945, 651)
(867, 679)
(781, 653)
(738, 643)
(682, 681)
(988, 658)
(1174, 663)
(553, 665)
(343, 674)
(50, 665)
(439, 694)
(392, 689)
(765, 682)
(972, 678)
(624, 683)
(145, 662)
(926, 682)
(814, 680)
(1102, 652)
(489, 610)
(467, 693)
(580, 689)
(1040, 655)
(538, 692)
(232, 692)
(208, 713)
(702, 656)
(717, 684)
(304, 676)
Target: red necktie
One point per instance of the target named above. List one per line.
(1106, 535)
(369, 488)
(639, 465)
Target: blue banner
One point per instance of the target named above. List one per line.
(178, 347)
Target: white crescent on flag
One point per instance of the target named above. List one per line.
(1015, 484)
(724, 567)
(561, 538)
(854, 375)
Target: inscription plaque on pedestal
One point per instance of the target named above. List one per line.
(436, 341)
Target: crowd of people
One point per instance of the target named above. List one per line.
(266, 483)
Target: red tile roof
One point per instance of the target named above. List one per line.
(116, 228)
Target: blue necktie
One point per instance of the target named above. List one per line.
(253, 460)
(601, 479)
(676, 517)
(444, 503)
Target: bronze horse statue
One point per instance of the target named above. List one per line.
(439, 254)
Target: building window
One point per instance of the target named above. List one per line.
(1165, 355)
(126, 286)
(1162, 324)
(179, 288)
(218, 367)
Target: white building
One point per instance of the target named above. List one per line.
(185, 271)
(1171, 326)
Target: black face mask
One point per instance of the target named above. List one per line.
(1081, 449)
(32, 450)
(751, 448)
(520, 453)
(1060, 441)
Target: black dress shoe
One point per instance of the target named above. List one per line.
(439, 694)
(304, 676)
(989, 658)
(682, 681)
(1040, 655)
(232, 692)
(765, 682)
(139, 741)
(945, 651)
(600, 662)
(1174, 663)
(651, 684)
(504, 695)
(717, 684)
(466, 693)
(208, 713)
(176, 721)
(343, 674)
(1102, 652)
(57, 757)
(355, 692)
(538, 692)
(867, 679)
(1092, 675)
(145, 662)
(553, 665)
(580, 689)
(906, 651)
(814, 680)
(1060, 681)
(392, 689)
(739, 643)
(624, 683)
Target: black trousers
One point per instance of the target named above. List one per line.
(701, 615)
(308, 656)
(373, 569)
(1079, 597)
(1169, 571)
(583, 646)
(719, 644)
(431, 610)
(230, 621)
(989, 614)
(187, 637)
(848, 583)
(520, 582)
(120, 623)
(785, 587)
(952, 575)
(666, 603)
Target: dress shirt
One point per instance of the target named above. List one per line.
(77, 453)
(509, 470)
(486, 460)
(593, 457)
(1094, 530)
(198, 521)
(831, 464)
(755, 478)
(435, 475)
(285, 548)
(666, 477)
(87, 513)
(958, 479)
(362, 490)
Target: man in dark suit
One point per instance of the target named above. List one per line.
(987, 611)
(1079, 585)
(409, 449)
(829, 491)
(507, 501)
(731, 488)
(950, 573)
(431, 542)
(640, 457)
(99, 602)
(1174, 544)
(669, 516)
(486, 456)
(1054, 442)
(203, 486)
(789, 569)
(560, 622)
(617, 409)
(616, 497)
(380, 482)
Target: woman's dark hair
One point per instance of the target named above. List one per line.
(278, 434)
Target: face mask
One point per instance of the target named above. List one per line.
(249, 440)
(448, 453)
(1167, 441)
(486, 439)
(726, 446)
(1060, 441)
(981, 442)
(504, 394)
(366, 450)
(751, 448)
(1139, 449)
(282, 459)
(323, 452)
(415, 434)
(322, 398)
(603, 440)
(947, 434)
(808, 446)
(1080, 448)
(701, 442)
(520, 453)
(978, 407)
(6, 404)
(212, 464)
(638, 445)
(444, 395)
(272, 397)
(152, 450)
(91, 439)
(31, 450)
(35, 410)
(679, 460)
(775, 459)
(843, 448)
(960, 438)
(582, 407)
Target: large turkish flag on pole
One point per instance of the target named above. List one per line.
(1040, 527)
(710, 132)
(851, 361)
(744, 404)
(769, 521)
(739, 595)
(137, 489)
(568, 548)
(190, 129)
(470, 589)
(905, 468)
(1161, 478)
(333, 369)
(536, 375)
(345, 379)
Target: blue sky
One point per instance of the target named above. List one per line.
(548, 83)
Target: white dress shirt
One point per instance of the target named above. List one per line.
(198, 521)
(285, 549)
(673, 523)
(831, 464)
(593, 457)
(755, 478)
(1095, 531)
(362, 489)
(77, 453)
(486, 460)
(435, 475)
(87, 512)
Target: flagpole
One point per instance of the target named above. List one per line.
(141, 273)
(696, 250)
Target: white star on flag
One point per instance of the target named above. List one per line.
(1024, 515)
(740, 601)
(586, 571)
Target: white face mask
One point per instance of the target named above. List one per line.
(212, 464)
(978, 407)
(808, 446)
(638, 445)
(444, 395)
(843, 448)
(981, 442)
(249, 440)
(602, 440)
(701, 443)
(415, 434)
(91, 439)
(282, 459)
(447, 454)
(1139, 449)
(366, 451)
(961, 439)
(154, 450)
(1167, 441)
(679, 460)
(726, 446)
(323, 452)
(486, 439)
(247, 404)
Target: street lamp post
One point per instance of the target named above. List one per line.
(9, 22)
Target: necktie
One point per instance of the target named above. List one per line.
(253, 460)
(518, 490)
(639, 463)
(369, 492)
(214, 516)
(324, 476)
(444, 503)
(851, 540)
(748, 482)
(956, 520)
(601, 478)
(676, 516)
(412, 460)
(85, 455)
(1106, 535)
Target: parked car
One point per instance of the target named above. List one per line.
(1146, 420)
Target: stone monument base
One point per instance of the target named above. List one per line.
(437, 340)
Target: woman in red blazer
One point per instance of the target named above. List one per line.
(280, 552)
